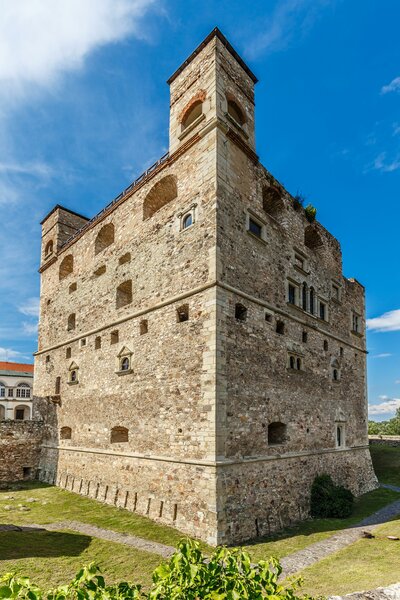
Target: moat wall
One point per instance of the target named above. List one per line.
(20, 448)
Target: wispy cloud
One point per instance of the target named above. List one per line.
(383, 355)
(30, 329)
(393, 86)
(388, 406)
(9, 354)
(290, 20)
(41, 40)
(381, 163)
(30, 307)
(389, 321)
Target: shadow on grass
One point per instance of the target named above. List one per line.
(15, 486)
(39, 543)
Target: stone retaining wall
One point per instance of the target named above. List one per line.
(20, 443)
(384, 440)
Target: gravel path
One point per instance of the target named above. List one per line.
(110, 535)
(308, 556)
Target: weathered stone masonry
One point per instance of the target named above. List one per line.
(204, 353)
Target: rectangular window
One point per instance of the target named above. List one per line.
(114, 337)
(291, 294)
(299, 261)
(335, 292)
(322, 311)
(356, 323)
(255, 228)
(10, 392)
(2, 392)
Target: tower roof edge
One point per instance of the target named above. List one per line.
(214, 33)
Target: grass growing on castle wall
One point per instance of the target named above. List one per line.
(386, 461)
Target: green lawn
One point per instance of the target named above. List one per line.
(365, 565)
(386, 462)
(314, 530)
(54, 504)
(53, 558)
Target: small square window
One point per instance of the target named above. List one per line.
(305, 337)
(144, 326)
(182, 313)
(255, 228)
(114, 338)
(268, 317)
(73, 287)
(83, 342)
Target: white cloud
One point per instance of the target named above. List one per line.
(393, 86)
(383, 355)
(41, 39)
(8, 354)
(387, 166)
(290, 19)
(389, 321)
(388, 406)
(30, 307)
(36, 169)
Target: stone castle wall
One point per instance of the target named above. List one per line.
(200, 394)
(20, 448)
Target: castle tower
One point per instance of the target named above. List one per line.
(206, 350)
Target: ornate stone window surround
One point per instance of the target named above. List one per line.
(190, 211)
(124, 354)
(73, 374)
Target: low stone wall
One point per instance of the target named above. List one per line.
(20, 445)
(384, 440)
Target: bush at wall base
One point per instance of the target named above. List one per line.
(189, 575)
(330, 501)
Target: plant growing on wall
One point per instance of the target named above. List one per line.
(298, 201)
(311, 213)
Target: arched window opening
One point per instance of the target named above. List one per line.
(125, 364)
(195, 111)
(124, 294)
(182, 313)
(292, 362)
(48, 251)
(276, 433)
(187, 221)
(240, 312)
(104, 238)
(163, 192)
(66, 267)
(298, 364)
(304, 295)
(280, 327)
(272, 201)
(312, 238)
(65, 433)
(312, 300)
(335, 375)
(71, 324)
(236, 112)
(73, 376)
(23, 390)
(119, 434)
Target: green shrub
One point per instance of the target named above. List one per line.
(298, 201)
(226, 575)
(310, 212)
(329, 500)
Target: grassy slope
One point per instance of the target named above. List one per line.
(309, 532)
(62, 505)
(386, 462)
(365, 565)
(53, 558)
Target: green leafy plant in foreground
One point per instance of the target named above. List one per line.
(226, 575)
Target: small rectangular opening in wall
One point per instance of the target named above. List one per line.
(255, 228)
(100, 271)
(125, 258)
(68, 353)
(268, 317)
(161, 508)
(144, 326)
(175, 512)
(182, 313)
(73, 287)
(148, 506)
(114, 337)
(83, 342)
(27, 472)
(305, 337)
(97, 343)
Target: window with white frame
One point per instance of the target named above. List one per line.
(23, 390)
(2, 390)
(322, 310)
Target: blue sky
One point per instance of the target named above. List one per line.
(84, 110)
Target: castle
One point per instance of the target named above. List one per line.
(202, 350)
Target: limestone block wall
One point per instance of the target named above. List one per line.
(20, 443)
